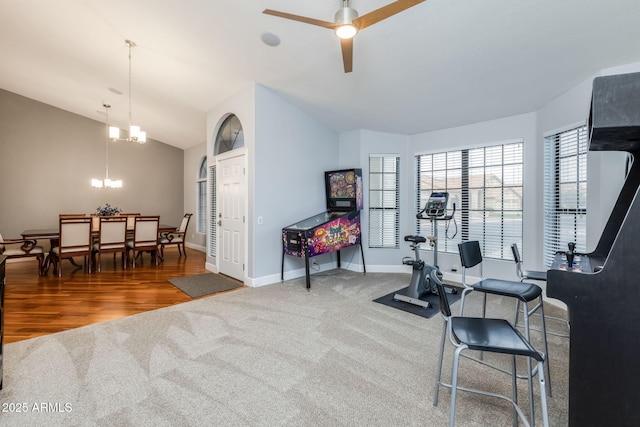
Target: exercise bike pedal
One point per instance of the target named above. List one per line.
(450, 290)
(410, 300)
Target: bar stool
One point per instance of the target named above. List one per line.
(523, 292)
(539, 276)
(490, 335)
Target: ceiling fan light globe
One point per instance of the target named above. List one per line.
(346, 31)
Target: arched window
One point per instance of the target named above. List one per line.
(230, 136)
(202, 197)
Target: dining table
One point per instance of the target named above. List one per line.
(53, 235)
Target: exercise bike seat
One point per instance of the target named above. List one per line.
(415, 239)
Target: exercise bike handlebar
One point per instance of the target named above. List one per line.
(420, 215)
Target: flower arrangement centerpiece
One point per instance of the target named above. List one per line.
(108, 210)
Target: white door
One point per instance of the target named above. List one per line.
(231, 197)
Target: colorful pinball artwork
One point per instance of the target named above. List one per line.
(335, 235)
(345, 184)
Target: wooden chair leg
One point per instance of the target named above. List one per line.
(40, 259)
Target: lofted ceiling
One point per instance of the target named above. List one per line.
(439, 64)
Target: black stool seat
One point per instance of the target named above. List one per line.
(493, 335)
(415, 239)
(523, 291)
(534, 275)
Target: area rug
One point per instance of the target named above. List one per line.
(204, 284)
(434, 299)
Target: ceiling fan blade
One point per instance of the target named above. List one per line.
(384, 12)
(347, 54)
(318, 22)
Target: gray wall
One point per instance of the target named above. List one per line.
(292, 152)
(48, 157)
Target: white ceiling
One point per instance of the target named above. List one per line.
(440, 64)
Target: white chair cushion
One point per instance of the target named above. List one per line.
(96, 246)
(166, 241)
(19, 252)
(56, 250)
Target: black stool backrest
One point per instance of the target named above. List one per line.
(516, 253)
(445, 309)
(470, 253)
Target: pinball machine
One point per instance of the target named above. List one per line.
(332, 230)
(601, 289)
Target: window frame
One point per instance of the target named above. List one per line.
(201, 198)
(384, 202)
(555, 200)
(459, 172)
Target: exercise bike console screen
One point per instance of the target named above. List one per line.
(437, 204)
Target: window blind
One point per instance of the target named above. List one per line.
(565, 191)
(384, 213)
(202, 198)
(212, 211)
(485, 183)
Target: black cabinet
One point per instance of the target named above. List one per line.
(2, 263)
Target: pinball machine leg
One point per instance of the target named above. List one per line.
(306, 267)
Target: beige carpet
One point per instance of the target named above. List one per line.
(277, 355)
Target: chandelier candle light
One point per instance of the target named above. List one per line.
(135, 134)
(106, 182)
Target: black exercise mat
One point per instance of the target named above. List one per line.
(204, 284)
(416, 309)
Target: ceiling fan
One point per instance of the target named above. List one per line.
(347, 23)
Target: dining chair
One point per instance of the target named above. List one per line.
(491, 336)
(177, 237)
(95, 223)
(112, 238)
(131, 217)
(145, 238)
(75, 240)
(22, 248)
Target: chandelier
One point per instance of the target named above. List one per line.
(135, 134)
(106, 182)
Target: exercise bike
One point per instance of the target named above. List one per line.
(421, 283)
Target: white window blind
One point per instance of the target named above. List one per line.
(202, 197)
(485, 183)
(384, 213)
(440, 172)
(565, 191)
(212, 211)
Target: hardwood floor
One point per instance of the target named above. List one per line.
(36, 305)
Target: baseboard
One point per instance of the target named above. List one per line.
(210, 267)
(196, 247)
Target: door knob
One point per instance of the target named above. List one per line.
(220, 223)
